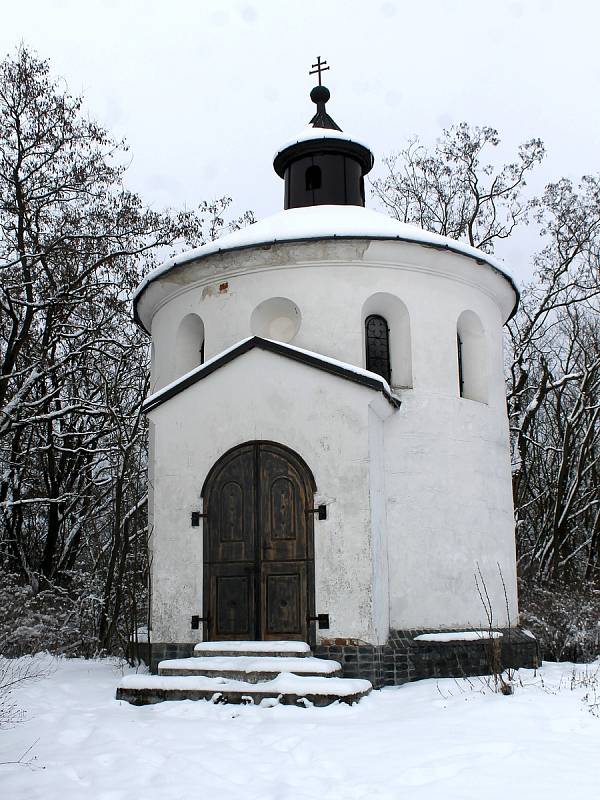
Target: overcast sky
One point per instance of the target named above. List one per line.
(206, 91)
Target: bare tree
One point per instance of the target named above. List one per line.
(450, 190)
(74, 242)
(552, 353)
(553, 391)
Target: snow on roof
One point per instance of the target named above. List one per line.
(322, 222)
(283, 348)
(310, 133)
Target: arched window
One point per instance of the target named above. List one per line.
(313, 178)
(395, 316)
(471, 357)
(377, 346)
(189, 344)
(461, 378)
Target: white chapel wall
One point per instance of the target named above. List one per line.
(447, 470)
(323, 418)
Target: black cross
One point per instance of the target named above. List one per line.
(320, 67)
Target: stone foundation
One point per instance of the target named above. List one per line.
(401, 659)
(153, 654)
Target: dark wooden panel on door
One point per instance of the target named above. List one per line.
(258, 545)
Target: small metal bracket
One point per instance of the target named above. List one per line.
(196, 620)
(320, 511)
(322, 621)
(196, 517)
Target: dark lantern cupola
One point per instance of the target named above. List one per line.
(323, 166)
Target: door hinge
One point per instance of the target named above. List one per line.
(196, 620)
(320, 511)
(196, 517)
(322, 621)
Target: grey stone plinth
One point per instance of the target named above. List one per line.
(143, 697)
(404, 658)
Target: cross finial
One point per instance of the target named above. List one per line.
(318, 68)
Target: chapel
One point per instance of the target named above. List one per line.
(329, 443)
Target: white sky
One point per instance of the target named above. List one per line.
(206, 91)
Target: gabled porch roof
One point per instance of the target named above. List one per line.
(330, 365)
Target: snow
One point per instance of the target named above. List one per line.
(251, 664)
(151, 399)
(320, 222)
(283, 683)
(311, 133)
(457, 636)
(448, 739)
(252, 647)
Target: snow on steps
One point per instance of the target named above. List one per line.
(286, 689)
(274, 649)
(246, 672)
(251, 669)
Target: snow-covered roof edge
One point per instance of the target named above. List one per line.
(331, 365)
(332, 222)
(311, 133)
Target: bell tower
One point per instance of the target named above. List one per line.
(323, 166)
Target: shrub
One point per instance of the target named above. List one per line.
(565, 620)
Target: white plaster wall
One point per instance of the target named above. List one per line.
(329, 282)
(449, 511)
(325, 419)
(379, 412)
(446, 473)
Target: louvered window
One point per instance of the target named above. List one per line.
(378, 346)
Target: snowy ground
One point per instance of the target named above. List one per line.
(432, 739)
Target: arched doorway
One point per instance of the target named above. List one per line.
(258, 545)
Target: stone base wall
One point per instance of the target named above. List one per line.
(402, 659)
(153, 654)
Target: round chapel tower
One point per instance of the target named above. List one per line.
(329, 454)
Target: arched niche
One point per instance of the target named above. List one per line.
(395, 313)
(189, 344)
(277, 318)
(471, 357)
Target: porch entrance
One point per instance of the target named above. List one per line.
(258, 545)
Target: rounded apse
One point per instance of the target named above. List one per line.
(276, 318)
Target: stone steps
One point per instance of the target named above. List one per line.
(273, 649)
(264, 673)
(286, 689)
(251, 669)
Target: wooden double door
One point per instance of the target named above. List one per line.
(258, 545)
